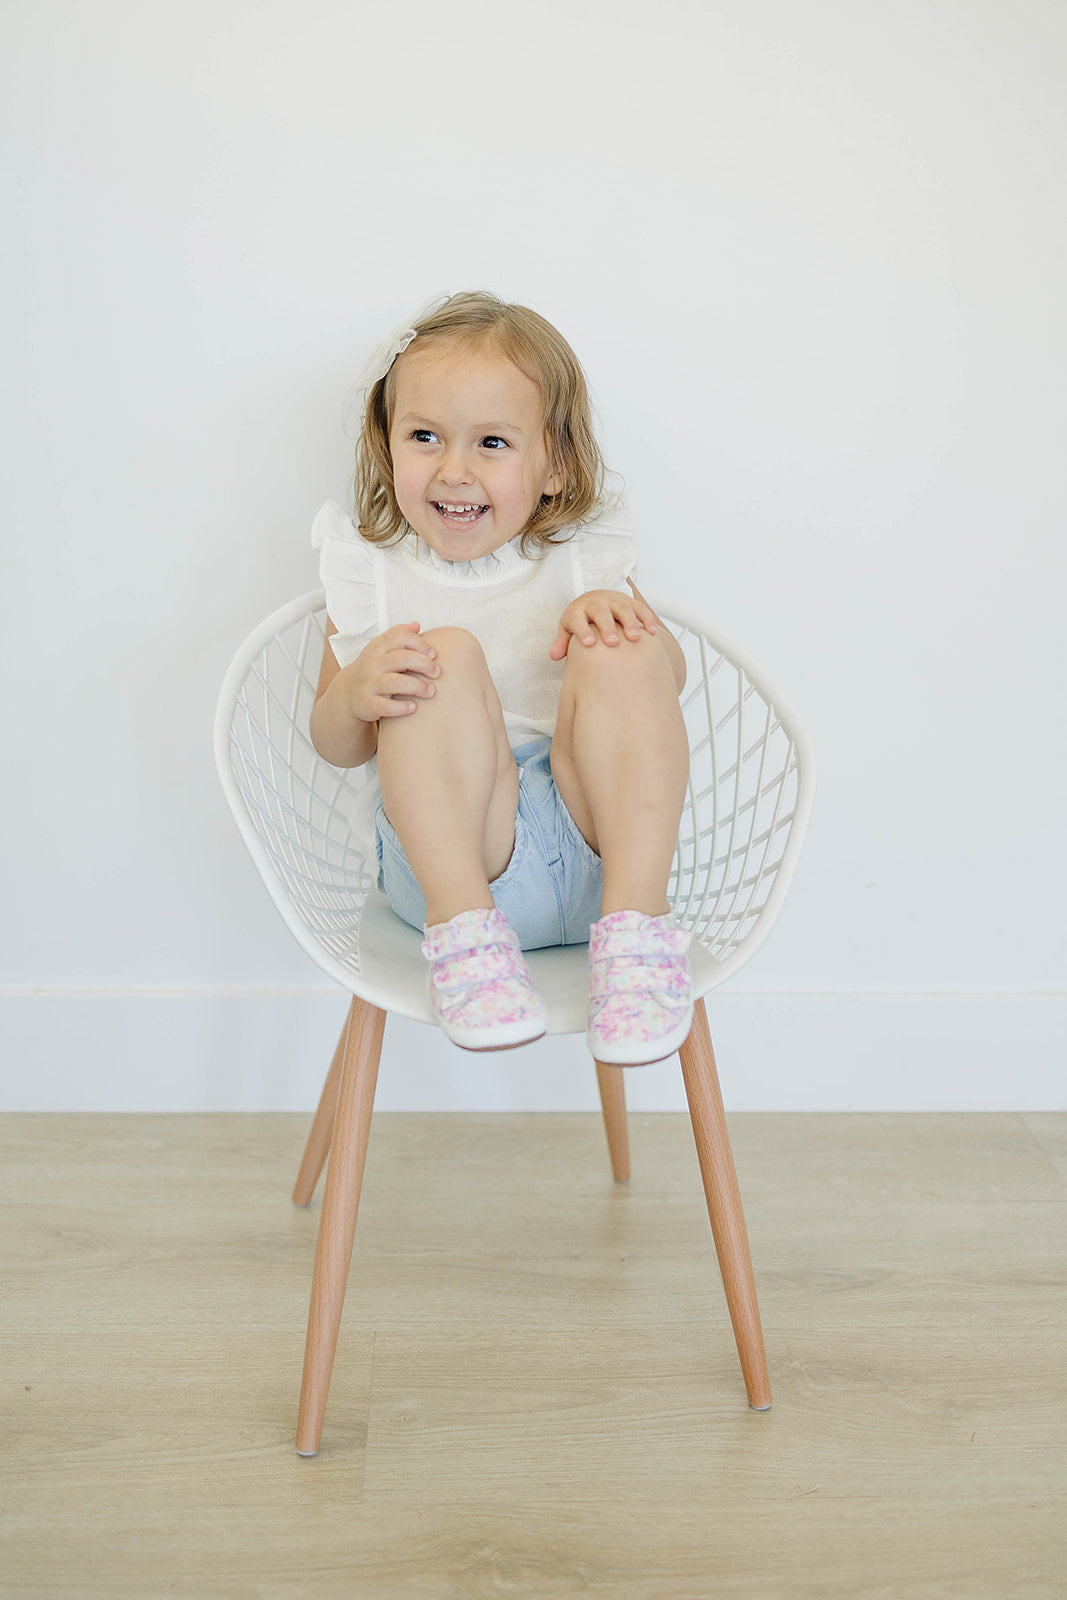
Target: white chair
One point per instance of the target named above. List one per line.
(747, 808)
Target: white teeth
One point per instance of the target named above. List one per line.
(455, 510)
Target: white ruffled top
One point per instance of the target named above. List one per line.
(511, 603)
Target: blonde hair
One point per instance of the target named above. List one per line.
(538, 350)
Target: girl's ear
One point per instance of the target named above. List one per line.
(555, 483)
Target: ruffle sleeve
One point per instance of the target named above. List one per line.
(607, 547)
(346, 569)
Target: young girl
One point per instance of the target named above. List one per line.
(519, 695)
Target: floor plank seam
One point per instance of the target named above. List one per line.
(370, 1408)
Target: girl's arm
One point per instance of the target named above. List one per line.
(387, 679)
(339, 736)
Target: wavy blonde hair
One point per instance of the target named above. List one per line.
(539, 351)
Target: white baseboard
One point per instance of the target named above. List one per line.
(230, 1051)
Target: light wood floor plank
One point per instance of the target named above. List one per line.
(536, 1390)
(708, 1546)
(892, 1157)
(852, 1416)
(174, 1414)
(1049, 1128)
(622, 1259)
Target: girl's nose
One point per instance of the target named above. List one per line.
(455, 468)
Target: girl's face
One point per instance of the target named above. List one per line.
(468, 448)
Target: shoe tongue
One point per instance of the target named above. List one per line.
(626, 921)
(468, 930)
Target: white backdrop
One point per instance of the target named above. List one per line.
(812, 257)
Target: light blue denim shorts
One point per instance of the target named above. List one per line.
(550, 889)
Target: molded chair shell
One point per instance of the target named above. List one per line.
(747, 807)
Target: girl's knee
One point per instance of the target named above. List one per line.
(465, 679)
(629, 657)
(456, 646)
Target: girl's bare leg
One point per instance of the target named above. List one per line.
(620, 758)
(450, 786)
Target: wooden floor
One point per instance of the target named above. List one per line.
(536, 1391)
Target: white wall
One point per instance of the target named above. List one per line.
(813, 259)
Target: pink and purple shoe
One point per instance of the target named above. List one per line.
(640, 999)
(479, 983)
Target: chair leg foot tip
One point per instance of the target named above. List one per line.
(766, 1407)
(307, 1452)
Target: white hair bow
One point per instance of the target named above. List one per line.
(395, 343)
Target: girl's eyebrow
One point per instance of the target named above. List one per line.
(411, 419)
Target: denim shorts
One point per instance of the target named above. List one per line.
(550, 889)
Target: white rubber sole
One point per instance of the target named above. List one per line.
(508, 1036)
(639, 1052)
(504, 1044)
(504, 1036)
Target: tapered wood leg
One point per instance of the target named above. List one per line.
(337, 1226)
(318, 1146)
(613, 1101)
(724, 1205)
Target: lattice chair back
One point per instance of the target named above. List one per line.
(751, 782)
(293, 808)
(747, 807)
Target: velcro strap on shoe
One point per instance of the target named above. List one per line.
(668, 977)
(483, 966)
(606, 944)
(470, 930)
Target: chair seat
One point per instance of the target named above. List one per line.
(393, 968)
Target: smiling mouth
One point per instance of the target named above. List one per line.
(464, 514)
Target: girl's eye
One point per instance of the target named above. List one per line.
(492, 440)
(423, 436)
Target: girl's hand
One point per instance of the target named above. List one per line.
(391, 674)
(603, 613)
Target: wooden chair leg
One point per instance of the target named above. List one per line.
(318, 1146)
(724, 1205)
(337, 1226)
(613, 1102)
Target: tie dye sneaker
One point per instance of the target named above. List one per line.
(640, 1005)
(479, 983)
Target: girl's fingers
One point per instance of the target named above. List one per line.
(394, 708)
(574, 623)
(405, 683)
(405, 636)
(634, 621)
(610, 621)
(582, 627)
(559, 644)
(409, 661)
(604, 618)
